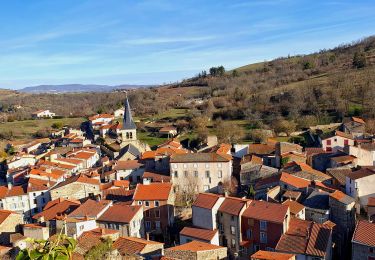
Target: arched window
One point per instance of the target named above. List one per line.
(131, 135)
(127, 135)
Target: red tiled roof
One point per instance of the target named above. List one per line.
(313, 150)
(153, 191)
(294, 181)
(100, 116)
(127, 165)
(358, 120)
(233, 206)
(305, 237)
(344, 158)
(171, 142)
(294, 206)
(361, 173)
(132, 245)
(263, 210)
(345, 135)
(267, 255)
(156, 177)
(204, 234)
(120, 213)
(57, 209)
(4, 214)
(162, 151)
(206, 200)
(261, 149)
(268, 180)
(90, 208)
(32, 225)
(195, 246)
(364, 233)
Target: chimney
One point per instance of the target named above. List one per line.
(10, 185)
(225, 193)
(147, 236)
(102, 231)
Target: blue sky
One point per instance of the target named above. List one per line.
(155, 41)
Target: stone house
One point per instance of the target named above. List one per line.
(355, 126)
(157, 202)
(196, 250)
(188, 234)
(307, 240)
(74, 227)
(125, 218)
(36, 231)
(143, 248)
(317, 206)
(76, 187)
(337, 141)
(27, 199)
(131, 170)
(359, 185)
(229, 219)
(42, 114)
(342, 213)
(262, 225)
(205, 172)
(365, 154)
(371, 208)
(205, 209)
(10, 222)
(169, 131)
(297, 210)
(363, 241)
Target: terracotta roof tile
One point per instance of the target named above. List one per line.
(233, 206)
(127, 165)
(51, 212)
(305, 237)
(294, 206)
(361, 173)
(90, 208)
(263, 210)
(267, 255)
(342, 197)
(4, 214)
(195, 246)
(204, 234)
(156, 177)
(153, 191)
(120, 213)
(358, 120)
(261, 149)
(132, 245)
(364, 233)
(294, 181)
(206, 200)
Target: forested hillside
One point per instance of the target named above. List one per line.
(315, 88)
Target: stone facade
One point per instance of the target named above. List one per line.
(205, 176)
(215, 254)
(361, 252)
(75, 191)
(10, 225)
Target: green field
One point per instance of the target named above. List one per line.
(149, 139)
(171, 114)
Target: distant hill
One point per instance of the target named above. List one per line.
(69, 88)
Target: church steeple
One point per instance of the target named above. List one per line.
(128, 119)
